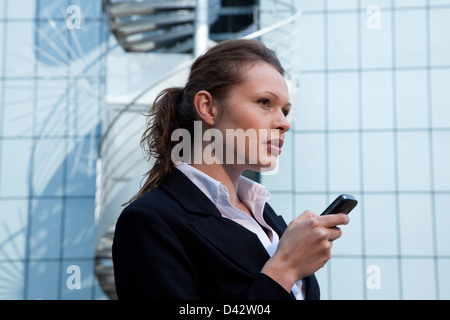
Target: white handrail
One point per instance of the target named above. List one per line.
(277, 25)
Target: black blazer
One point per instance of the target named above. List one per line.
(173, 243)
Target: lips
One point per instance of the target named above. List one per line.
(274, 146)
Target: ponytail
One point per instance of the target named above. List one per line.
(156, 139)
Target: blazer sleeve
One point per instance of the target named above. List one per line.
(265, 288)
(149, 259)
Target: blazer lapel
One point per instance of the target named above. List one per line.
(191, 198)
(275, 221)
(224, 234)
(238, 244)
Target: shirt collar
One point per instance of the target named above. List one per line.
(251, 193)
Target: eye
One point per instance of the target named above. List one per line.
(264, 102)
(285, 112)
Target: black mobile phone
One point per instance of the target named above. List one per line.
(344, 203)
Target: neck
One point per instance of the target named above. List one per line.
(228, 175)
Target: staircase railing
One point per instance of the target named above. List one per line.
(120, 163)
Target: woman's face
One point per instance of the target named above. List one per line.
(253, 119)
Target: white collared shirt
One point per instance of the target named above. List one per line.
(253, 195)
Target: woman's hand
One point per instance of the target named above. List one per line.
(304, 248)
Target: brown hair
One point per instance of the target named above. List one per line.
(216, 71)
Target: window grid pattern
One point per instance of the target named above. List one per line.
(372, 119)
(52, 77)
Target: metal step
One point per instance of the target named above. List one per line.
(183, 47)
(127, 9)
(123, 29)
(153, 25)
(159, 41)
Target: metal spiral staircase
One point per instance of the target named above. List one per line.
(164, 26)
(160, 27)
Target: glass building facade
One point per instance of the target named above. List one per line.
(52, 69)
(371, 118)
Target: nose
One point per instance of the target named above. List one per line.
(282, 123)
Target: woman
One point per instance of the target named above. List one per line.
(197, 229)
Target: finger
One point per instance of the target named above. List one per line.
(333, 220)
(308, 214)
(334, 233)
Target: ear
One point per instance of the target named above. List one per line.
(205, 106)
